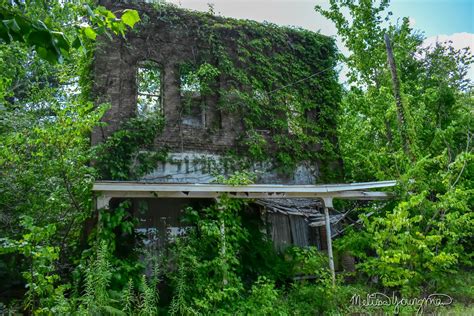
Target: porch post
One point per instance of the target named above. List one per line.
(223, 245)
(327, 204)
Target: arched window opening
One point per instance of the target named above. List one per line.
(149, 88)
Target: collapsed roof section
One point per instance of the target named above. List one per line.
(309, 209)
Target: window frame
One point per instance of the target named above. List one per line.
(150, 65)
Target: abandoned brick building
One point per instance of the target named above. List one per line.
(230, 93)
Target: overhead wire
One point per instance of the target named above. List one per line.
(304, 79)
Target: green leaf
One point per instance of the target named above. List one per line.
(39, 38)
(50, 54)
(61, 41)
(130, 17)
(89, 11)
(90, 33)
(76, 43)
(12, 25)
(118, 28)
(4, 35)
(9, 30)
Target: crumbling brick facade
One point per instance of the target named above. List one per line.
(171, 41)
(169, 45)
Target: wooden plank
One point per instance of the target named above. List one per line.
(280, 231)
(299, 230)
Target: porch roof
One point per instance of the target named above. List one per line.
(326, 192)
(106, 190)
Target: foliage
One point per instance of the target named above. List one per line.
(209, 253)
(309, 261)
(254, 78)
(224, 256)
(148, 298)
(40, 256)
(45, 152)
(29, 23)
(417, 242)
(200, 78)
(96, 298)
(45, 176)
(263, 299)
(237, 178)
(115, 228)
(210, 257)
(129, 152)
(99, 296)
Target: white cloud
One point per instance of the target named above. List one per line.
(458, 41)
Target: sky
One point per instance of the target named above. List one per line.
(440, 20)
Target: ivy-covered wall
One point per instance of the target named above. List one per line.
(260, 93)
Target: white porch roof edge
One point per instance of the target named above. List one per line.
(132, 186)
(327, 192)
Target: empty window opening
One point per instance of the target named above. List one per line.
(190, 84)
(294, 117)
(149, 88)
(192, 103)
(197, 84)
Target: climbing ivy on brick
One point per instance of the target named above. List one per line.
(129, 153)
(280, 81)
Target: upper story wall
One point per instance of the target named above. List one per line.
(275, 96)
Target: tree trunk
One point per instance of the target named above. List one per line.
(398, 98)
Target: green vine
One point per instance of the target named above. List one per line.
(129, 152)
(279, 80)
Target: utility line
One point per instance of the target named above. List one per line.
(304, 79)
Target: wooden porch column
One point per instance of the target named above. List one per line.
(327, 204)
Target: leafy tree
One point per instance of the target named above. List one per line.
(423, 236)
(45, 122)
(416, 242)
